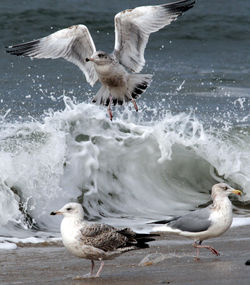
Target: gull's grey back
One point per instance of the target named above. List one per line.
(196, 221)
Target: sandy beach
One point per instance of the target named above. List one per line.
(52, 264)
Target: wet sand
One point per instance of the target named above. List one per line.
(52, 264)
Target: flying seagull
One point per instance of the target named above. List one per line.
(132, 30)
(205, 223)
(96, 241)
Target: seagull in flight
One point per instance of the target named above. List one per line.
(96, 241)
(205, 223)
(118, 72)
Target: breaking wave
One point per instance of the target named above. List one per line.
(128, 171)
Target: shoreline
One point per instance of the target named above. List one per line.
(52, 264)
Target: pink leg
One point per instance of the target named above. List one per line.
(135, 105)
(92, 267)
(109, 108)
(197, 253)
(89, 275)
(100, 269)
(198, 246)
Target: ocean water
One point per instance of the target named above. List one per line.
(192, 129)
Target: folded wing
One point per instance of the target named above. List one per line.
(108, 238)
(133, 27)
(102, 236)
(196, 221)
(74, 44)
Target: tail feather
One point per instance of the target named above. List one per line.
(137, 84)
(102, 96)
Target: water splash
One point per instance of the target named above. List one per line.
(129, 168)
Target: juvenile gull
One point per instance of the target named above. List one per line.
(132, 30)
(96, 241)
(205, 223)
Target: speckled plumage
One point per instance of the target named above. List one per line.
(132, 30)
(96, 241)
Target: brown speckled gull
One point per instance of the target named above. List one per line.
(96, 241)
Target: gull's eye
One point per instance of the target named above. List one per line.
(69, 209)
(225, 188)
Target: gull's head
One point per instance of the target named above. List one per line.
(100, 58)
(70, 210)
(224, 190)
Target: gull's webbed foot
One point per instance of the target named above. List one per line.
(198, 246)
(85, 276)
(214, 251)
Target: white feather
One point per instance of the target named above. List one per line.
(132, 30)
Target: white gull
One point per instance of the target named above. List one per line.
(132, 30)
(205, 223)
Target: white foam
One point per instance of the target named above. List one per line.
(127, 167)
(242, 221)
(7, 246)
(34, 240)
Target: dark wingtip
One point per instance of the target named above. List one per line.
(180, 6)
(247, 262)
(142, 241)
(142, 245)
(8, 49)
(23, 48)
(162, 222)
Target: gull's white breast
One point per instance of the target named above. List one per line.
(70, 230)
(221, 218)
(71, 237)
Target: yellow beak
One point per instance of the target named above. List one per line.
(237, 192)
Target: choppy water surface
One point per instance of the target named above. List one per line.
(192, 129)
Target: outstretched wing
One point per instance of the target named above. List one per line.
(73, 44)
(133, 27)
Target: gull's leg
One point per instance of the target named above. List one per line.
(198, 246)
(197, 250)
(88, 275)
(100, 269)
(135, 105)
(109, 107)
(92, 267)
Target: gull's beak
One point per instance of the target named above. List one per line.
(56, 213)
(237, 192)
(89, 59)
